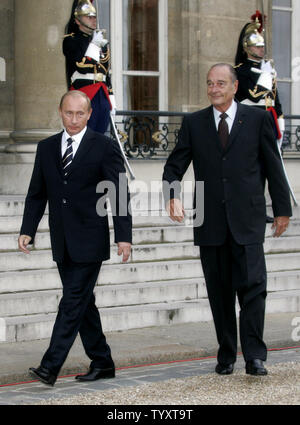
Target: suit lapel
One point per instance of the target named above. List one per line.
(213, 133)
(237, 125)
(57, 152)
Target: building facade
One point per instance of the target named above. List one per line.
(161, 51)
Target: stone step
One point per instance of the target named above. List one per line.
(39, 326)
(156, 234)
(42, 259)
(13, 206)
(111, 274)
(10, 261)
(114, 274)
(46, 301)
(12, 224)
(38, 302)
(140, 236)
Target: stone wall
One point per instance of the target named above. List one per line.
(39, 63)
(7, 55)
(202, 33)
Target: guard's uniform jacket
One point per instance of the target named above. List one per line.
(250, 93)
(90, 76)
(74, 47)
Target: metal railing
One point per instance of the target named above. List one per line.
(153, 134)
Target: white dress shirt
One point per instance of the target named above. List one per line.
(76, 141)
(231, 112)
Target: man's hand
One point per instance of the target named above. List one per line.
(23, 241)
(125, 249)
(280, 225)
(98, 39)
(175, 210)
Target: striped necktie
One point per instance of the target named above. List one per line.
(68, 157)
(223, 130)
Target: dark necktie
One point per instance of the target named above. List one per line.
(223, 130)
(68, 157)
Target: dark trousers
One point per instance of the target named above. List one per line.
(232, 270)
(100, 117)
(77, 313)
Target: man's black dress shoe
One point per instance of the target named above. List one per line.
(269, 219)
(95, 373)
(43, 374)
(256, 367)
(224, 369)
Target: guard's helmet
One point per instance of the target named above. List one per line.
(252, 36)
(85, 8)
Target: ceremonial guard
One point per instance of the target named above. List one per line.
(88, 63)
(258, 78)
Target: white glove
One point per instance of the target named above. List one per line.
(93, 52)
(265, 80)
(98, 39)
(268, 67)
(94, 48)
(113, 104)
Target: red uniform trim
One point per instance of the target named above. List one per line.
(272, 110)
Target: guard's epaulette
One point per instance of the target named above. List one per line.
(237, 66)
(69, 35)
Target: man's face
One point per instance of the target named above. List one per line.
(89, 21)
(74, 114)
(255, 52)
(220, 88)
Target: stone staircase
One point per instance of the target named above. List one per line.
(162, 284)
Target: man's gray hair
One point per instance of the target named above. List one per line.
(229, 67)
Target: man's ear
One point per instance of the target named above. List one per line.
(236, 85)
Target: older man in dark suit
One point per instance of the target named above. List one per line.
(233, 151)
(67, 170)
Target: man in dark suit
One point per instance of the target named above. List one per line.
(232, 154)
(68, 168)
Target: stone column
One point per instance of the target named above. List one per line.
(6, 71)
(38, 83)
(39, 69)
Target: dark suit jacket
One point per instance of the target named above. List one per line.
(73, 218)
(234, 179)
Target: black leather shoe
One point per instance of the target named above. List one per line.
(224, 369)
(43, 374)
(95, 373)
(269, 219)
(256, 367)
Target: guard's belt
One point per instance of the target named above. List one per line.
(99, 77)
(261, 102)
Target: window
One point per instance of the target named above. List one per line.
(282, 50)
(139, 61)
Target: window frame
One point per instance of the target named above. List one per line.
(118, 73)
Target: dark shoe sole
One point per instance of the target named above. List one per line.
(224, 371)
(35, 375)
(257, 373)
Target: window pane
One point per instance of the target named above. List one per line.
(282, 3)
(141, 93)
(284, 91)
(282, 43)
(140, 35)
(104, 16)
